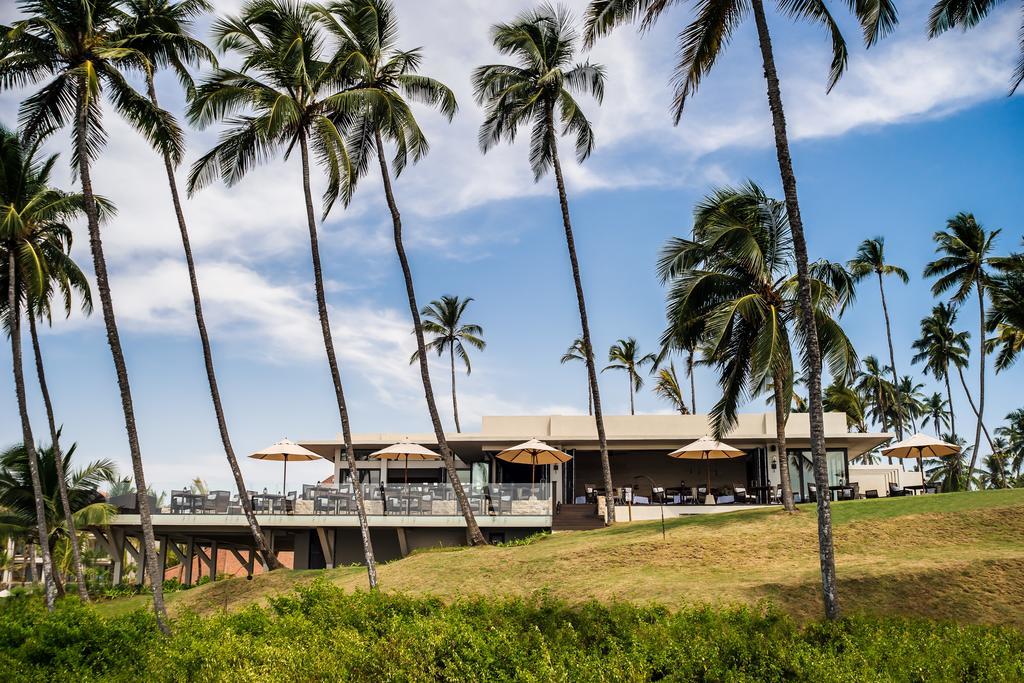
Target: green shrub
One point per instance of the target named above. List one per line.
(319, 632)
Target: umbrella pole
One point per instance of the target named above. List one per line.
(708, 494)
(408, 498)
(284, 483)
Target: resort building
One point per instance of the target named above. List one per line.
(411, 505)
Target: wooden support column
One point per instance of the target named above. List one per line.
(214, 556)
(162, 563)
(118, 542)
(249, 566)
(327, 545)
(403, 542)
(190, 551)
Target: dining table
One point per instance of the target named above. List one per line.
(273, 500)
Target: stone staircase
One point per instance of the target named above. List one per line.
(576, 518)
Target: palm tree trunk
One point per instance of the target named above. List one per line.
(204, 339)
(981, 386)
(26, 428)
(455, 401)
(781, 418)
(332, 362)
(120, 369)
(58, 457)
(693, 384)
(975, 410)
(629, 378)
(590, 401)
(826, 551)
(570, 243)
(476, 537)
(892, 358)
(949, 399)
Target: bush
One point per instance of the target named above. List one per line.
(320, 632)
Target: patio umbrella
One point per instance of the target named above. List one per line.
(707, 449)
(920, 446)
(285, 451)
(405, 450)
(534, 452)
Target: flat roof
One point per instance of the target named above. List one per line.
(623, 432)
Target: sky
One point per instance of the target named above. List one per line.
(916, 131)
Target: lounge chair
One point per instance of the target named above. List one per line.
(812, 493)
(871, 493)
(741, 494)
(896, 490)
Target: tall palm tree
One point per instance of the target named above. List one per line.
(964, 249)
(870, 260)
(1006, 317)
(732, 284)
(843, 398)
(666, 386)
(909, 402)
(74, 43)
(941, 348)
(1013, 433)
(38, 216)
(948, 14)
(937, 411)
(950, 472)
(444, 324)
(382, 80)
(162, 31)
(702, 42)
(624, 355)
(578, 352)
(997, 467)
(283, 96)
(21, 272)
(535, 91)
(80, 487)
(872, 382)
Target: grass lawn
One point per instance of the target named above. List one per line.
(952, 556)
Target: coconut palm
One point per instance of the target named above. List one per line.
(443, 322)
(1006, 317)
(1013, 433)
(701, 43)
(17, 497)
(38, 216)
(870, 260)
(381, 82)
(732, 285)
(281, 98)
(666, 386)
(997, 467)
(577, 352)
(881, 393)
(964, 249)
(950, 471)
(624, 355)
(909, 403)
(948, 14)
(937, 411)
(941, 348)
(538, 92)
(74, 44)
(24, 230)
(162, 31)
(843, 398)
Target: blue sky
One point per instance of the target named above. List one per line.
(916, 131)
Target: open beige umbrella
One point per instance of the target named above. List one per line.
(920, 446)
(707, 449)
(534, 452)
(405, 450)
(285, 451)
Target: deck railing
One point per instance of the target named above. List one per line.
(381, 499)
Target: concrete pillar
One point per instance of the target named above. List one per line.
(162, 562)
(213, 560)
(190, 552)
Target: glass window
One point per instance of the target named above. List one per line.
(801, 468)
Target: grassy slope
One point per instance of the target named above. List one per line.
(955, 556)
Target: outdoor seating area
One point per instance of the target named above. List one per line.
(384, 499)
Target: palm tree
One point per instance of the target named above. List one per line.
(1013, 434)
(937, 411)
(870, 260)
(75, 43)
(290, 99)
(948, 14)
(997, 467)
(881, 392)
(843, 398)
(940, 347)
(162, 31)
(81, 487)
(702, 41)
(578, 352)
(22, 272)
(625, 355)
(910, 402)
(1006, 318)
(444, 323)
(381, 82)
(38, 215)
(950, 472)
(732, 285)
(535, 91)
(964, 248)
(667, 387)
